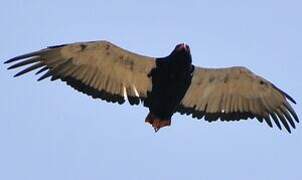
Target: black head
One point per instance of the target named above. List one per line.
(182, 52)
(182, 48)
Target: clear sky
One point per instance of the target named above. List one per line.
(49, 131)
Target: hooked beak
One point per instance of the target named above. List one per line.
(185, 47)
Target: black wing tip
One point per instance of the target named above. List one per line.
(24, 56)
(285, 94)
(13, 66)
(289, 131)
(297, 119)
(288, 128)
(17, 58)
(11, 60)
(42, 70)
(290, 98)
(57, 46)
(46, 75)
(17, 75)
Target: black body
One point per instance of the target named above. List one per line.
(170, 80)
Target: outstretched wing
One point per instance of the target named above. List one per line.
(99, 69)
(236, 93)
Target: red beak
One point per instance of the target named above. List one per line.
(184, 46)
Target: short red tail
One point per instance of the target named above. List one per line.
(156, 122)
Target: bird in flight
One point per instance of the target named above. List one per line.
(165, 85)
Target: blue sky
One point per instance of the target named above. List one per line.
(49, 131)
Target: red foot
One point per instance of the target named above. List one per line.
(156, 122)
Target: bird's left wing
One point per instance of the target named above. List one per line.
(236, 93)
(99, 69)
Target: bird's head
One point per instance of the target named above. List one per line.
(182, 52)
(182, 47)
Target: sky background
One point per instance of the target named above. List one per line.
(49, 131)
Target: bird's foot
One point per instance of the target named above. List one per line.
(157, 123)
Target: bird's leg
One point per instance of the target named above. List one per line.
(157, 123)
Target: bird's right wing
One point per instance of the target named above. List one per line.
(99, 69)
(236, 93)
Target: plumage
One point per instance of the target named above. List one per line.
(165, 85)
(32, 67)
